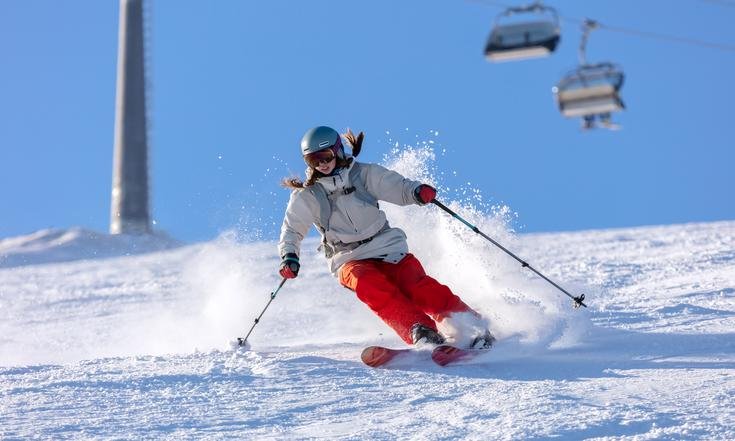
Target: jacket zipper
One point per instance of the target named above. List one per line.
(347, 213)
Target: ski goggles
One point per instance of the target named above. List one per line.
(323, 156)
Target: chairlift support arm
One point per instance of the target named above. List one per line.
(588, 25)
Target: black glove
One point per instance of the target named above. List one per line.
(290, 266)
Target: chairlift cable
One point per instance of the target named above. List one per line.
(634, 32)
(646, 34)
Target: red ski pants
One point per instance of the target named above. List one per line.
(401, 294)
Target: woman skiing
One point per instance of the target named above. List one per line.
(340, 197)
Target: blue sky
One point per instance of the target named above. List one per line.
(235, 84)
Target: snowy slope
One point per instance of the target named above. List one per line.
(128, 338)
(136, 347)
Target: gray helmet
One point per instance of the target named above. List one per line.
(320, 138)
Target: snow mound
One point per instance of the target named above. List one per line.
(63, 245)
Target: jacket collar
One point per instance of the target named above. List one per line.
(337, 181)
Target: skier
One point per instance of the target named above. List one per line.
(340, 197)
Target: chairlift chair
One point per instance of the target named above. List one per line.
(531, 38)
(590, 90)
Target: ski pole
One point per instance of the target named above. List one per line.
(578, 301)
(241, 341)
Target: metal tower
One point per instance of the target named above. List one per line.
(130, 205)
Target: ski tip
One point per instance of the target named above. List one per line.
(443, 354)
(446, 354)
(375, 356)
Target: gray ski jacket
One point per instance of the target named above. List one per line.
(357, 228)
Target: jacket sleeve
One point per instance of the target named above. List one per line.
(296, 223)
(390, 186)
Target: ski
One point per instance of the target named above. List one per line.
(376, 356)
(446, 354)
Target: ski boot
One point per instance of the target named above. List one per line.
(421, 334)
(483, 341)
